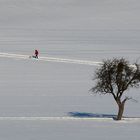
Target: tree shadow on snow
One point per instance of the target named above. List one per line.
(90, 115)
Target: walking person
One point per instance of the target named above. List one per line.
(36, 53)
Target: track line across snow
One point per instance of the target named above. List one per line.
(66, 119)
(50, 118)
(51, 59)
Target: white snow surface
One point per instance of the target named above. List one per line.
(49, 98)
(51, 59)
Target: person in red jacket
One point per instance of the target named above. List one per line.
(36, 53)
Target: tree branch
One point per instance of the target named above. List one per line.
(126, 98)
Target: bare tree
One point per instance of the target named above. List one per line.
(115, 77)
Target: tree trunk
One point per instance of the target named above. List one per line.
(120, 111)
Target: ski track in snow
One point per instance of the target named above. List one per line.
(51, 59)
(96, 119)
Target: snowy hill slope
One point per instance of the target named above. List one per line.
(42, 100)
(91, 29)
(70, 14)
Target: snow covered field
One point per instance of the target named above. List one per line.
(49, 98)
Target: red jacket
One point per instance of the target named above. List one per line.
(36, 52)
